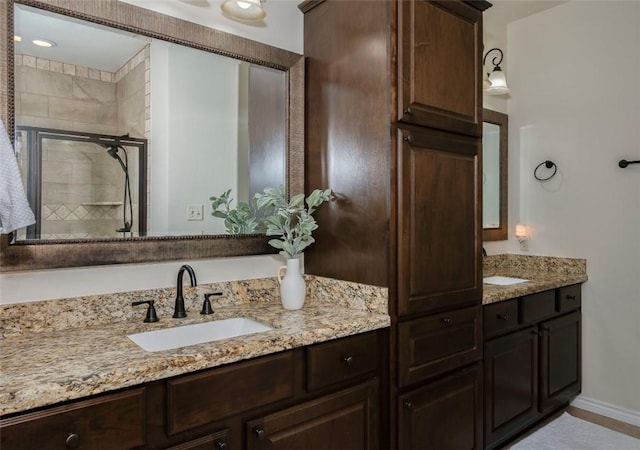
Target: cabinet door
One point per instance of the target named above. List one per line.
(439, 266)
(114, 421)
(511, 384)
(440, 45)
(560, 361)
(345, 420)
(445, 414)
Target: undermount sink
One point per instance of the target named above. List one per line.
(199, 333)
(503, 281)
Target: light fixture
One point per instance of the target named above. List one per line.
(495, 83)
(43, 43)
(247, 10)
(522, 234)
(17, 38)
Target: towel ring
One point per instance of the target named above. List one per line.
(548, 165)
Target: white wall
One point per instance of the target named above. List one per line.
(574, 73)
(282, 28)
(190, 137)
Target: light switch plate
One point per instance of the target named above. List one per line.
(195, 212)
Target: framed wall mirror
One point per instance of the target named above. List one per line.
(494, 175)
(181, 114)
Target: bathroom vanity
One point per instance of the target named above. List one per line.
(532, 343)
(317, 375)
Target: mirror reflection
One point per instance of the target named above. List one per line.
(120, 135)
(494, 175)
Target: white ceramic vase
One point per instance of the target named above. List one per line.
(292, 286)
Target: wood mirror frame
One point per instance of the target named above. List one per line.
(502, 120)
(27, 255)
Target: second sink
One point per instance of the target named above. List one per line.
(199, 333)
(503, 281)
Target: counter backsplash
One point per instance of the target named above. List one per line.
(86, 311)
(521, 265)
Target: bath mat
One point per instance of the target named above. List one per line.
(570, 433)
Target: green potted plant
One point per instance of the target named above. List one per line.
(292, 221)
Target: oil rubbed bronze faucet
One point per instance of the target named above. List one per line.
(179, 311)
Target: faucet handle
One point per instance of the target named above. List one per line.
(206, 306)
(151, 310)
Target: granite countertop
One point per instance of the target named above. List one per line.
(542, 272)
(45, 367)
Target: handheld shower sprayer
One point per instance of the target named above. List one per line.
(112, 150)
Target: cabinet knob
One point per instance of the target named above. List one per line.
(222, 445)
(259, 432)
(409, 139)
(447, 321)
(348, 360)
(503, 316)
(408, 404)
(408, 111)
(72, 441)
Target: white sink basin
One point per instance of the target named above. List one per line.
(199, 333)
(503, 281)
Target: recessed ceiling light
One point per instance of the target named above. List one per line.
(43, 43)
(17, 38)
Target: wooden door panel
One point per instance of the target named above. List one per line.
(345, 420)
(560, 361)
(440, 65)
(439, 222)
(446, 414)
(511, 384)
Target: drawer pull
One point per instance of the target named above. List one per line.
(259, 432)
(348, 360)
(447, 321)
(571, 297)
(72, 441)
(536, 333)
(409, 405)
(222, 445)
(503, 316)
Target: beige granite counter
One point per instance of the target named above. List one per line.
(543, 273)
(52, 353)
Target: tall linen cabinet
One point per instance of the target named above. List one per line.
(393, 126)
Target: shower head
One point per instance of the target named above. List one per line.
(112, 150)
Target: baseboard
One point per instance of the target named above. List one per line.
(607, 410)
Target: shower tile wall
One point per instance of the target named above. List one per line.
(82, 186)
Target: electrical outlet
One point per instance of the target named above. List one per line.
(524, 244)
(195, 212)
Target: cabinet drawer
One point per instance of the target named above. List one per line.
(568, 298)
(110, 422)
(500, 318)
(216, 441)
(536, 307)
(435, 344)
(340, 360)
(202, 398)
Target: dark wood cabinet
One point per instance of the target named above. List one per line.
(439, 52)
(114, 421)
(438, 227)
(288, 395)
(560, 361)
(534, 370)
(344, 420)
(443, 415)
(394, 124)
(511, 384)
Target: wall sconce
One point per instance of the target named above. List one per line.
(495, 83)
(245, 10)
(522, 234)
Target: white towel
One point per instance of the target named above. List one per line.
(15, 212)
